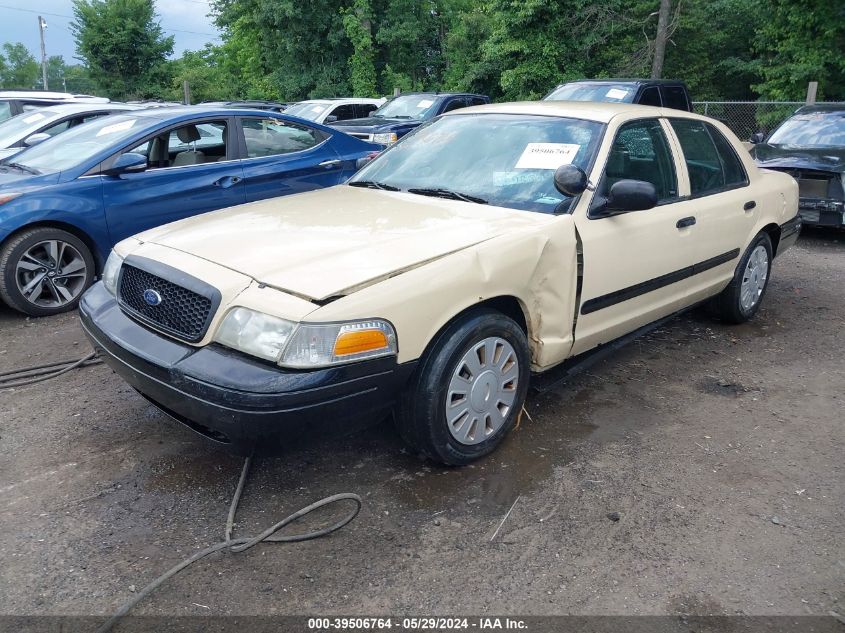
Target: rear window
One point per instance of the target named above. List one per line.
(711, 161)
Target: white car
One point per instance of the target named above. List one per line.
(327, 111)
(32, 127)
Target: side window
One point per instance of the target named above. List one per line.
(192, 144)
(455, 104)
(731, 164)
(344, 112)
(269, 137)
(364, 109)
(710, 169)
(650, 96)
(5, 110)
(57, 128)
(675, 97)
(641, 152)
(477, 101)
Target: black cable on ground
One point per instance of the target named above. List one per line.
(40, 373)
(243, 544)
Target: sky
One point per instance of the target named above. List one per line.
(186, 20)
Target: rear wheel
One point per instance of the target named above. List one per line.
(742, 298)
(44, 271)
(468, 390)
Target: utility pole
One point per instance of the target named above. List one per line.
(42, 25)
(660, 39)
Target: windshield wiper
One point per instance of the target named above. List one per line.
(24, 168)
(372, 184)
(448, 193)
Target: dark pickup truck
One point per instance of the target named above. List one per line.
(402, 114)
(668, 93)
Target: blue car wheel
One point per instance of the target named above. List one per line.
(44, 271)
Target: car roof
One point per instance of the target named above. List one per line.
(821, 107)
(441, 94)
(74, 108)
(639, 82)
(339, 99)
(599, 111)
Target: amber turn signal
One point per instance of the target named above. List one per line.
(357, 341)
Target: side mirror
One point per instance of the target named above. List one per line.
(127, 163)
(758, 137)
(570, 180)
(35, 139)
(331, 118)
(630, 195)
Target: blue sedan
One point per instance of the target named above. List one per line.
(66, 201)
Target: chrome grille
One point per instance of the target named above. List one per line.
(181, 312)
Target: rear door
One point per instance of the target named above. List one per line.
(634, 264)
(281, 157)
(720, 201)
(192, 168)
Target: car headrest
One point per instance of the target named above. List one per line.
(188, 134)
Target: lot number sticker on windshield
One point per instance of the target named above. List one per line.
(547, 155)
(616, 93)
(425, 103)
(117, 127)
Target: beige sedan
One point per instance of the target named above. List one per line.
(491, 243)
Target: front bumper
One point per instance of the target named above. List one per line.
(822, 212)
(228, 397)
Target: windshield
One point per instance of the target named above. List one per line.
(418, 107)
(310, 111)
(614, 93)
(20, 126)
(812, 129)
(504, 159)
(79, 144)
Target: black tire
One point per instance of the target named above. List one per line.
(17, 246)
(727, 305)
(421, 417)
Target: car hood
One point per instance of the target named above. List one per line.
(9, 151)
(374, 124)
(794, 157)
(12, 179)
(334, 241)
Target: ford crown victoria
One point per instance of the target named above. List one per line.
(491, 243)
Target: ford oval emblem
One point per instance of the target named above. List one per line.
(152, 297)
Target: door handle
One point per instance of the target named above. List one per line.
(685, 222)
(328, 164)
(749, 205)
(226, 181)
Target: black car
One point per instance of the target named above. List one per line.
(810, 146)
(667, 93)
(402, 114)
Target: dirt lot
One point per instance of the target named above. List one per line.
(721, 448)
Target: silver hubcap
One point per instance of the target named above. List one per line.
(51, 274)
(482, 391)
(754, 278)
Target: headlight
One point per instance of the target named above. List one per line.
(254, 333)
(110, 272)
(385, 139)
(314, 345)
(305, 345)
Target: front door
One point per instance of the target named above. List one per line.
(191, 169)
(634, 264)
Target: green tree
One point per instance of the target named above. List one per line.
(358, 24)
(799, 43)
(122, 45)
(204, 72)
(19, 68)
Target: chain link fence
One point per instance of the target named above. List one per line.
(745, 118)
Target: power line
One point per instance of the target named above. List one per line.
(70, 17)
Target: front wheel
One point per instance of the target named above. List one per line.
(742, 298)
(44, 271)
(468, 390)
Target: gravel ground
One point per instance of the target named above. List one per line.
(718, 448)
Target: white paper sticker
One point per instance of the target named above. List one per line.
(547, 155)
(616, 93)
(425, 103)
(32, 118)
(117, 127)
